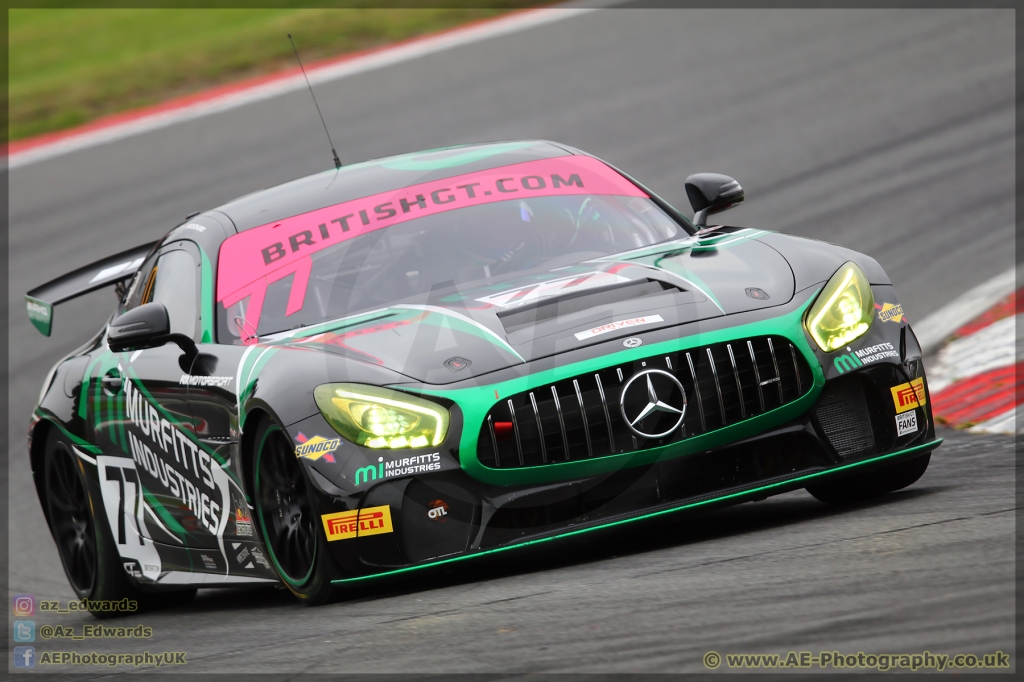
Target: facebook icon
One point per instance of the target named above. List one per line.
(24, 656)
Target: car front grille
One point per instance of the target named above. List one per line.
(582, 417)
(843, 414)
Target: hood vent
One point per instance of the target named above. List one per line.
(553, 308)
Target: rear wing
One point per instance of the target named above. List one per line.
(110, 270)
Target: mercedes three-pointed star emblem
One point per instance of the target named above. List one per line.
(654, 403)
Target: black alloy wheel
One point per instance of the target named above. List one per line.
(286, 513)
(70, 517)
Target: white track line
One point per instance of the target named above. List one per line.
(1004, 423)
(400, 53)
(932, 330)
(987, 349)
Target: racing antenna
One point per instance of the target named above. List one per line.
(337, 161)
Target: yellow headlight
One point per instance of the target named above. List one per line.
(380, 417)
(844, 310)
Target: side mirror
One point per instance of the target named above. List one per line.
(147, 326)
(711, 193)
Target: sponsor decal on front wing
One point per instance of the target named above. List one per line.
(438, 511)
(889, 312)
(415, 464)
(908, 396)
(316, 447)
(853, 359)
(906, 423)
(357, 523)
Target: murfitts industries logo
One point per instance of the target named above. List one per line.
(316, 447)
(357, 523)
(416, 464)
(167, 454)
(864, 356)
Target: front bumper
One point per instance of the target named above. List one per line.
(494, 536)
(841, 421)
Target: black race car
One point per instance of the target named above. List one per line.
(436, 356)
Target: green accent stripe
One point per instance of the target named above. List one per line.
(122, 413)
(478, 328)
(691, 277)
(97, 401)
(746, 493)
(165, 516)
(259, 357)
(111, 427)
(332, 325)
(84, 444)
(206, 315)
(83, 400)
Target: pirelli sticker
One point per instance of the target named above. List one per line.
(908, 396)
(357, 523)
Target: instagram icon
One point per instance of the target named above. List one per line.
(24, 604)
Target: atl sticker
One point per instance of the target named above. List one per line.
(357, 523)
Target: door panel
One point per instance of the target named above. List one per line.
(170, 484)
(139, 408)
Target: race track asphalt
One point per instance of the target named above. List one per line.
(887, 131)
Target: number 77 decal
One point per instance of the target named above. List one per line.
(123, 476)
(126, 508)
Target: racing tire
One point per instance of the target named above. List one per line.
(85, 544)
(287, 520)
(866, 486)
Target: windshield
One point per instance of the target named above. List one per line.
(435, 238)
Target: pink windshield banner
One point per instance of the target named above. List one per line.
(252, 259)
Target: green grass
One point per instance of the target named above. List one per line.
(71, 66)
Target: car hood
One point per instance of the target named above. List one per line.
(473, 332)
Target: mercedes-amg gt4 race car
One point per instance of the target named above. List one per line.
(436, 356)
